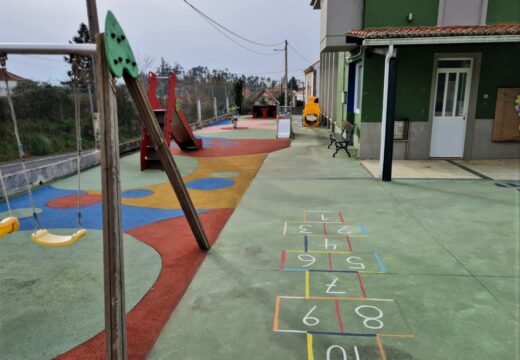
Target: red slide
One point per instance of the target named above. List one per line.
(172, 121)
(181, 130)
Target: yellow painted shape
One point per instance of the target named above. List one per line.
(310, 350)
(44, 238)
(9, 225)
(311, 109)
(307, 285)
(163, 196)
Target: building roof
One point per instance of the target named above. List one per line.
(434, 31)
(10, 76)
(311, 68)
(269, 95)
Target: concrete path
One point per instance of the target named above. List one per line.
(429, 268)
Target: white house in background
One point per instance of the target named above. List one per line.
(312, 81)
(12, 80)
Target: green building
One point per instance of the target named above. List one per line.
(447, 71)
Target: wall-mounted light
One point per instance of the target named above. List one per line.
(409, 18)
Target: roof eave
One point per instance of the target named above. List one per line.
(442, 40)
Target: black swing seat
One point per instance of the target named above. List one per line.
(343, 139)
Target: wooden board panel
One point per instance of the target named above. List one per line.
(506, 126)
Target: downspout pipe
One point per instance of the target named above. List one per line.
(388, 115)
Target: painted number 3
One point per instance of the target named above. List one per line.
(371, 322)
(304, 229)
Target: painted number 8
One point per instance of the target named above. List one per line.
(371, 322)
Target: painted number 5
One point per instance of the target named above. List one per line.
(355, 265)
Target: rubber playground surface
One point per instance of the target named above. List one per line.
(314, 260)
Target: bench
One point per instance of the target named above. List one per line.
(343, 139)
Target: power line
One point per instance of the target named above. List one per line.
(300, 55)
(236, 42)
(201, 13)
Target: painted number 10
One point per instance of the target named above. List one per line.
(341, 350)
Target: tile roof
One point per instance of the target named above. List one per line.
(436, 31)
(10, 76)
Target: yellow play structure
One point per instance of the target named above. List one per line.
(311, 113)
(11, 224)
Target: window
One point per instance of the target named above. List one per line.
(359, 87)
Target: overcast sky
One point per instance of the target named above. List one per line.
(171, 29)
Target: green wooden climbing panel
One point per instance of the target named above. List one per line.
(120, 56)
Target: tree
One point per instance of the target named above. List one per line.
(238, 88)
(293, 84)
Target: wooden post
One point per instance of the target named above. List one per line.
(167, 161)
(115, 331)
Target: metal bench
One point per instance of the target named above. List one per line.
(343, 139)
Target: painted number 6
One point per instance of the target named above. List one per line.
(309, 259)
(311, 320)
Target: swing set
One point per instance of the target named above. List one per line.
(113, 58)
(11, 224)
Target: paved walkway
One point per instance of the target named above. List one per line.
(321, 260)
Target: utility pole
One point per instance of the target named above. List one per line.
(93, 28)
(286, 74)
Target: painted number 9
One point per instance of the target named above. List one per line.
(371, 322)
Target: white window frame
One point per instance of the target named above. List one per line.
(358, 88)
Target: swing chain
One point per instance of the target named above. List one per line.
(76, 77)
(21, 152)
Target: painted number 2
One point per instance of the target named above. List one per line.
(371, 322)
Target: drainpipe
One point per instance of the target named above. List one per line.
(388, 115)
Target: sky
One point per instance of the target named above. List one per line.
(172, 30)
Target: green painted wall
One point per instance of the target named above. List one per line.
(503, 11)
(373, 72)
(499, 68)
(385, 13)
(414, 77)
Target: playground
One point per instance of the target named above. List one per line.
(249, 246)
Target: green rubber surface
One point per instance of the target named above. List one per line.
(449, 247)
(120, 56)
(51, 299)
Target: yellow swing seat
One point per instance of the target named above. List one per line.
(43, 238)
(9, 225)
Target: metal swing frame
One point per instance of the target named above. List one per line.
(42, 236)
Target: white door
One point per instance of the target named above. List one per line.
(451, 107)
